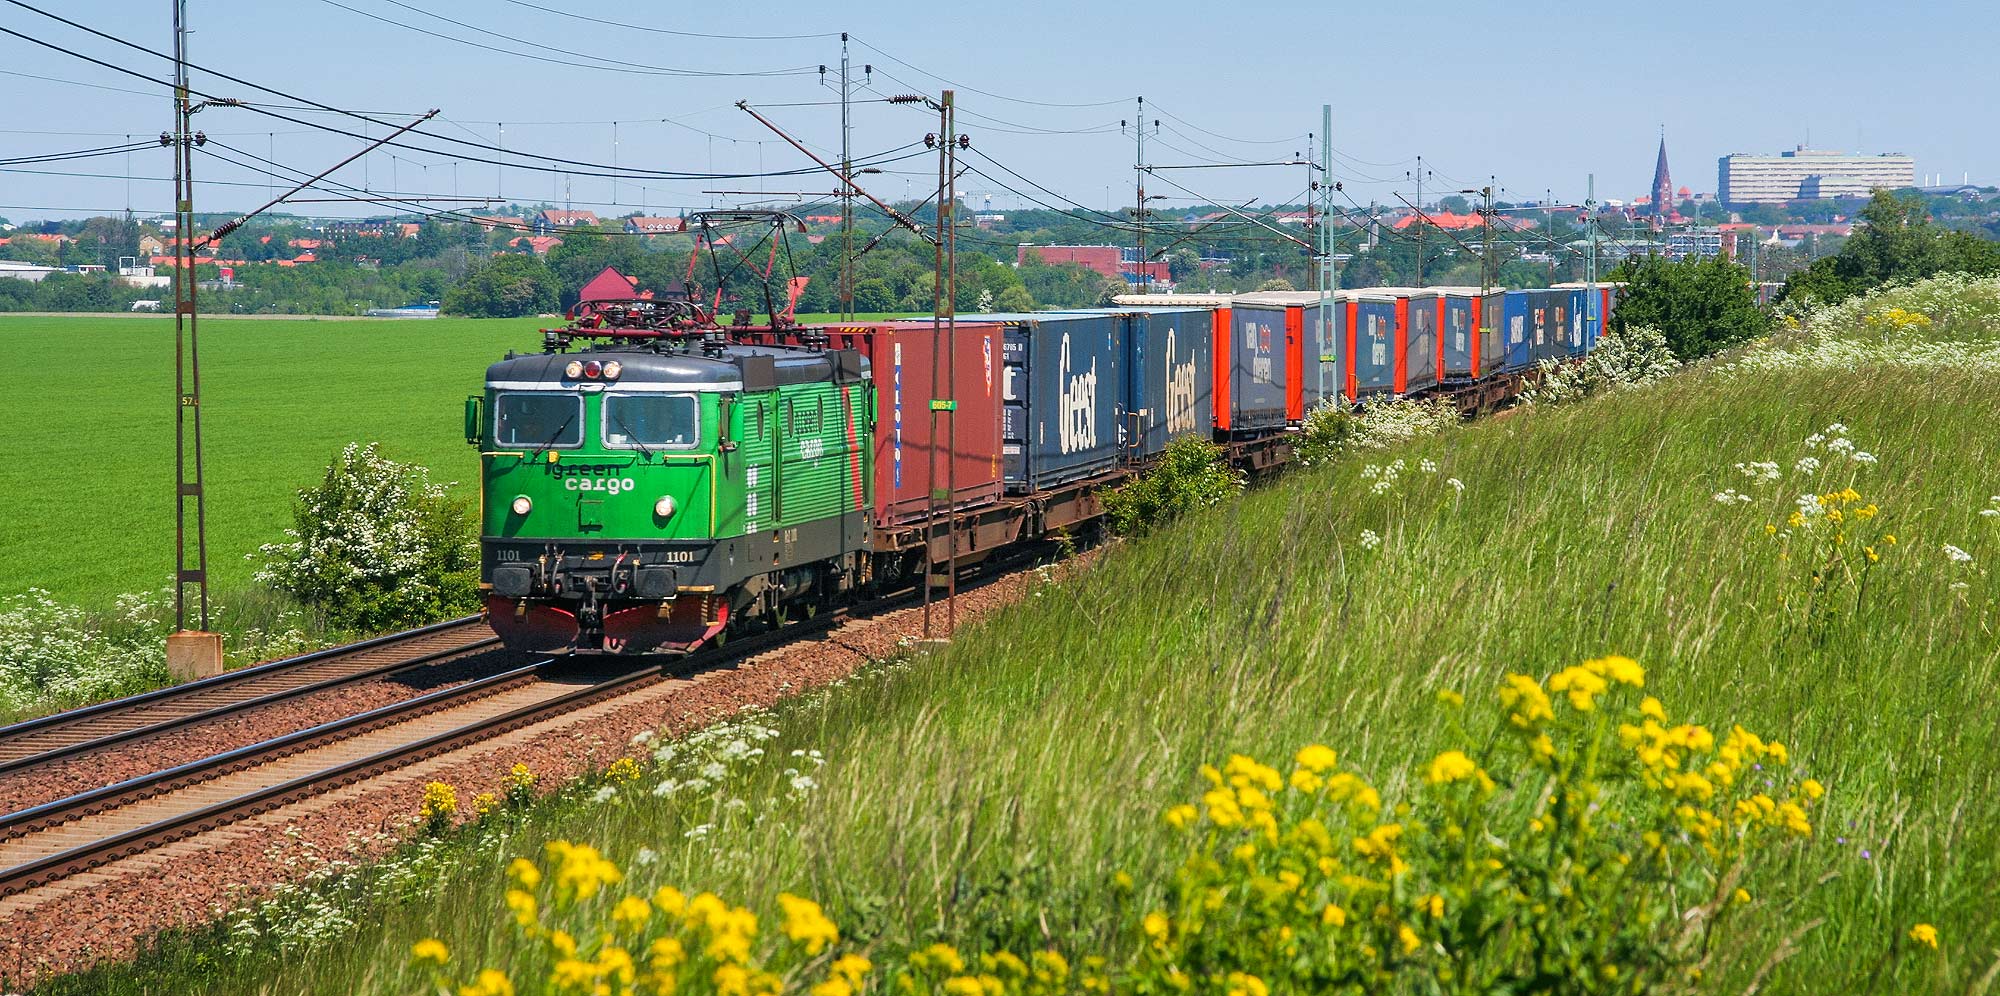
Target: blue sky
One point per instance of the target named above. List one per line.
(1537, 94)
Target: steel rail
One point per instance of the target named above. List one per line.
(162, 696)
(39, 872)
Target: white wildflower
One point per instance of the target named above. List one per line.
(1731, 496)
(646, 856)
(1862, 456)
(1813, 441)
(1383, 487)
(1428, 466)
(1807, 465)
(642, 738)
(1370, 472)
(1456, 484)
(666, 788)
(697, 833)
(1370, 539)
(1957, 555)
(714, 771)
(604, 794)
(1841, 445)
(1836, 429)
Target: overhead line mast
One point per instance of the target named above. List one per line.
(188, 478)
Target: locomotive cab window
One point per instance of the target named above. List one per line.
(634, 421)
(533, 421)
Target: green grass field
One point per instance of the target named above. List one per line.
(989, 794)
(86, 494)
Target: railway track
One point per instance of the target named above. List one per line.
(119, 721)
(45, 844)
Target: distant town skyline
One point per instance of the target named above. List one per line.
(1043, 91)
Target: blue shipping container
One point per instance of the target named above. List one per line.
(1420, 340)
(1457, 333)
(1256, 367)
(1170, 389)
(1519, 338)
(1063, 395)
(1548, 323)
(1374, 360)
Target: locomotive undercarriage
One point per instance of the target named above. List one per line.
(628, 602)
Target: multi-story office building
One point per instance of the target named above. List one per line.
(1809, 173)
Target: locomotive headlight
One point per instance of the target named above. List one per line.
(664, 508)
(613, 369)
(574, 370)
(592, 368)
(522, 505)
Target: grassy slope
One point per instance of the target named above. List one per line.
(86, 496)
(1039, 749)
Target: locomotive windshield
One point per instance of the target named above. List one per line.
(538, 421)
(641, 420)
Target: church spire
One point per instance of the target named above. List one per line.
(1663, 183)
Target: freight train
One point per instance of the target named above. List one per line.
(652, 481)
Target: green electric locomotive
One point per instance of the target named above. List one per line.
(651, 489)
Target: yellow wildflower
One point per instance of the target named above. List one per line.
(1889, 538)
(963, 985)
(1449, 697)
(1050, 967)
(669, 901)
(562, 943)
(1580, 683)
(430, 951)
(940, 956)
(1408, 939)
(622, 770)
(665, 953)
(1925, 934)
(524, 873)
(1432, 904)
(1812, 788)
(851, 967)
(1245, 984)
(1333, 916)
(1180, 816)
(1741, 896)
(1244, 772)
(1651, 708)
(522, 904)
(1317, 758)
(807, 924)
(1450, 766)
(1304, 780)
(732, 980)
(1524, 697)
(631, 913)
(1156, 926)
(1623, 670)
(832, 987)
(490, 982)
(573, 973)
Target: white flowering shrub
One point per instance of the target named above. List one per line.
(1330, 429)
(54, 656)
(1634, 357)
(377, 546)
(1946, 322)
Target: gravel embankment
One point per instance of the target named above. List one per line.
(110, 913)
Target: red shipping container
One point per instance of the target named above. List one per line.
(901, 361)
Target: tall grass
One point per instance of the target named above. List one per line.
(990, 792)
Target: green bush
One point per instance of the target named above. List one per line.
(1191, 473)
(1896, 242)
(1702, 306)
(1630, 357)
(376, 546)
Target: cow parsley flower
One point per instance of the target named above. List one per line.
(1370, 539)
(1957, 555)
(1807, 465)
(1862, 456)
(1428, 466)
(1456, 484)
